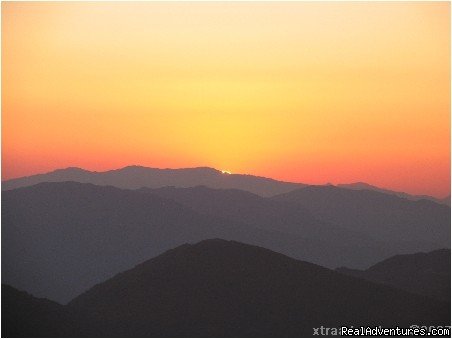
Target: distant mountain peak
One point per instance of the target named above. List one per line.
(207, 243)
(72, 170)
(358, 184)
(217, 242)
(133, 166)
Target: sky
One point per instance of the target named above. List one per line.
(307, 92)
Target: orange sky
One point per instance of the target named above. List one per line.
(309, 92)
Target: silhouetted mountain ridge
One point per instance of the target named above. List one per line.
(134, 177)
(220, 288)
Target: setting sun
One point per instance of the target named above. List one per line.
(225, 169)
(298, 91)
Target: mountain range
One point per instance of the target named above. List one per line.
(219, 288)
(363, 186)
(61, 238)
(232, 255)
(134, 177)
(385, 216)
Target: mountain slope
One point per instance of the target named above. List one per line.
(59, 239)
(385, 217)
(365, 186)
(134, 177)
(219, 288)
(422, 273)
(26, 316)
(285, 216)
(269, 214)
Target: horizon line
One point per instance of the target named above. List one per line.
(226, 172)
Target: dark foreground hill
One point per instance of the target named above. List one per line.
(422, 273)
(26, 316)
(134, 177)
(219, 288)
(223, 288)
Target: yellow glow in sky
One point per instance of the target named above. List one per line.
(309, 92)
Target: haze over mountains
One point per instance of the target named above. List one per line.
(385, 216)
(327, 212)
(61, 238)
(219, 288)
(363, 186)
(244, 207)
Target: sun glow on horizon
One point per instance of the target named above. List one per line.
(295, 91)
